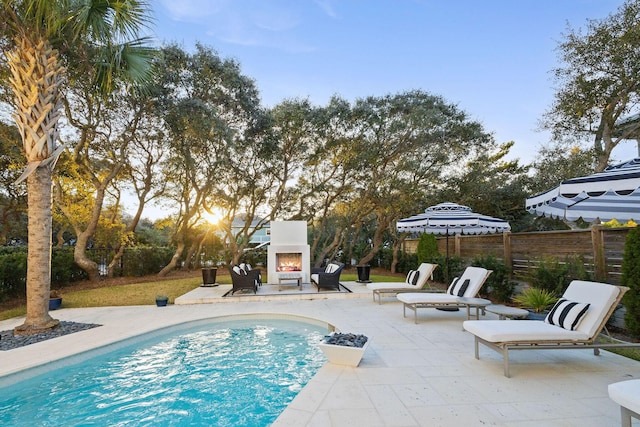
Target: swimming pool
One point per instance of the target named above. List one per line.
(240, 372)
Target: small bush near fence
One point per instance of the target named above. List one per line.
(13, 273)
(631, 278)
(498, 287)
(554, 275)
(406, 261)
(143, 261)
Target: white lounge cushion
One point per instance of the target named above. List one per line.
(314, 278)
(626, 394)
(600, 296)
(238, 270)
(498, 331)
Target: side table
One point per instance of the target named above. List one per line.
(505, 312)
(478, 303)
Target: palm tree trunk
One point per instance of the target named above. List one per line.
(36, 75)
(39, 259)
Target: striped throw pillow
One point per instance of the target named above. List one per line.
(567, 314)
(412, 277)
(460, 287)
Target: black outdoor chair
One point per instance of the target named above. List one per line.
(327, 277)
(243, 279)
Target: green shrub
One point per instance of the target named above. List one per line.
(536, 299)
(498, 287)
(631, 278)
(427, 248)
(442, 274)
(13, 274)
(554, 275)
(64, 270)
(406, 261)
(142, 261)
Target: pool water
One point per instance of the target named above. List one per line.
(238, 373)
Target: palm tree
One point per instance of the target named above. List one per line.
(42, 41)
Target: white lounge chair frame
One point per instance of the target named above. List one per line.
(582, 338)
(393, 288)
(414, 301)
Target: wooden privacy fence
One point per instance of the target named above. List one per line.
(601, 249)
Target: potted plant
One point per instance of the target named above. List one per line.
(162, 300)
(537, 301)
(55, 299)
(344, 349)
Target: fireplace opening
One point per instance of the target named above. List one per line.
(289, 262)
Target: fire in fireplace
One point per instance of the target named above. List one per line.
(288, 262)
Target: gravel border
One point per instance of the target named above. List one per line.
(8, 341)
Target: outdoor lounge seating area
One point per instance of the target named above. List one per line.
(461, 293)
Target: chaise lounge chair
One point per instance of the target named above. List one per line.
(575, 322)
(416, 280)
(461, 289)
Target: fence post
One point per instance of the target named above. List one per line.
(508, 258)
(599, 262)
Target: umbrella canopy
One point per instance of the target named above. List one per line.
(613, 193)
(449, 219)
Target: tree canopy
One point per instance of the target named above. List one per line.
(598, 83)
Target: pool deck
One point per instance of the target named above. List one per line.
(421, 374)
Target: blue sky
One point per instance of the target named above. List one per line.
(492, 58)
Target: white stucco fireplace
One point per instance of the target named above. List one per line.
(288, 251)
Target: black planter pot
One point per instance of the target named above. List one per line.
(162, 301)
(55, 303)
(363, 273)
(209, 276)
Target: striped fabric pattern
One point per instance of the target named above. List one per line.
(412, 277)
(459, 287)
(613, 193)
(567, 314)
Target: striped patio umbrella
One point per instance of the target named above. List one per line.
(613, 193)
(451, 219)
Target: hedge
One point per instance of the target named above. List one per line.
(13, 266)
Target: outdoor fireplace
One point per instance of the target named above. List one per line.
(288, 262)
(288, 251)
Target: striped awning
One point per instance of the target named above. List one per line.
(613, 193)
(450, 219)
